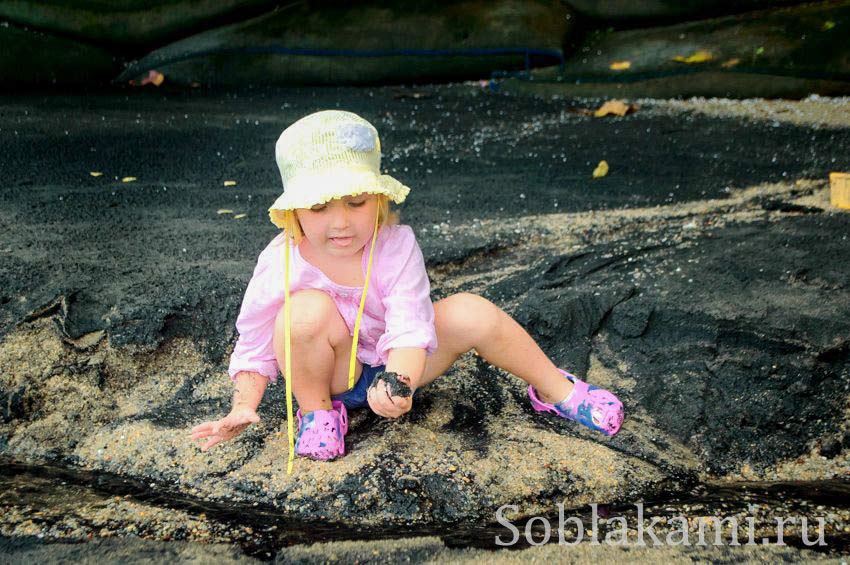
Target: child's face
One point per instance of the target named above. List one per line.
(352, 216)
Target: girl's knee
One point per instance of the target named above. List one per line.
(310, 314)
(466, 316)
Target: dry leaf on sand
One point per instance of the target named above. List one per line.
(614, 107)
(601, 170)
(701, 56)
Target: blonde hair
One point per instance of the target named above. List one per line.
(292, 226)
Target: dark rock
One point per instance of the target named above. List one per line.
(12, 403)
(30, 57)
(127, 549)
(666, 10)
(631, 318)
(565, 320)
(303, 45)
(788, 52)
(780, 206)
(744, 379)
(131, 22)
(830, 447)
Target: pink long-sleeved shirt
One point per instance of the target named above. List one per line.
(398, 310)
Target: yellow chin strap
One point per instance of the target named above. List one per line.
(287, 346)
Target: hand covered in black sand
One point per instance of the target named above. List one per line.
(390, 395)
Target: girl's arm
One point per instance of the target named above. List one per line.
(408, 361)
(249, 390)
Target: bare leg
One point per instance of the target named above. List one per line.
(465, 321)
(320, 346)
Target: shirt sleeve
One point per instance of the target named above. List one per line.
(254, 350)
(406, 289)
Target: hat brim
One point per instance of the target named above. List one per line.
(305, 191)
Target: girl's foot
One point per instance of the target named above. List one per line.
(594, 407)
(321, 433)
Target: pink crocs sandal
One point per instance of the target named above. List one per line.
(594, 407)
(321, 433)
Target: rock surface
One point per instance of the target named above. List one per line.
(644, 11)
(365, 43)
(126, 22)
(29, 57)
(786, 52)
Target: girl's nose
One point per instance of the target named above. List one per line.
(339, 217)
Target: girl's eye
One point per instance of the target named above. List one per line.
(355, 204)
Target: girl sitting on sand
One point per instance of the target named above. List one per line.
(360, 335)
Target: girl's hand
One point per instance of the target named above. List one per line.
(225, 429)
(383, 403)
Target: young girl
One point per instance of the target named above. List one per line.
(344, 282)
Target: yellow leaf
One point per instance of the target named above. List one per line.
(230, 183)
(698, 57)
(128, 179)
(828, 25)
(239, 216)
(730, 63)
(96, 174)
(601, 170)
(620, 65)
(615, 107)
(224, 211)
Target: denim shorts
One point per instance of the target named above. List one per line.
(356, 397)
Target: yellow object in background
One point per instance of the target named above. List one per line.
(701, 56)
(840, 190)
(601, 170)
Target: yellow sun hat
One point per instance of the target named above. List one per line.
(326, 155)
